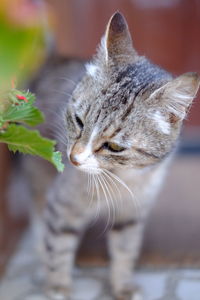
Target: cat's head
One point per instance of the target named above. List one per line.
(126, 112)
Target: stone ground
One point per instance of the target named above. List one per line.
(24, 277)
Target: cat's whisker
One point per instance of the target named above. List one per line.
(50, 104)
(92, 186)
(88, 179)
(98, 199)
(56, 128)
(90, 189)
(111, 200)
(62, 144)
(58, 114)
(68, 79)
(120, 181)
(57, 135)
(57, 124)
(120, 209)
(58, 119)
(61, 92)
(60, 135)
(61, 139)
(107, 202)
(88, 183)
(104, 175)
(135, 202)
(116, 187)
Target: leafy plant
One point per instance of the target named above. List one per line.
(16, 110)
(21, 51)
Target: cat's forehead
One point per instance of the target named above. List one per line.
(113, 86)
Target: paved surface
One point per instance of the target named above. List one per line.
(24, 280)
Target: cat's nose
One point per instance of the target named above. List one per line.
(73, 160)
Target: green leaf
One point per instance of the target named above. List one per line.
(31, 142)
(23, 114)
(57, 161)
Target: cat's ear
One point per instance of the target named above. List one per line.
(118, 42)
(176, 96)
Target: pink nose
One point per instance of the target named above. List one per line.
(73, 160)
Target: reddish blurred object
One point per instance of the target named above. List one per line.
(23, 12)
(21, 97)
(167, 31)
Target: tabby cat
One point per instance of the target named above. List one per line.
(121, 123)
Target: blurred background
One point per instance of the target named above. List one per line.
(167, 32)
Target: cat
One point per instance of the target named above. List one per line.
(121, 122)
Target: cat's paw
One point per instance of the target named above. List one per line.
(134, 294)
(36, 297)
(58, 294)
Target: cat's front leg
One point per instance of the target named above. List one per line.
(64, 226)
(124, 245)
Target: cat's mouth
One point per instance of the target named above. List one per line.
(85, 164)
(85, 167)
(89, 169)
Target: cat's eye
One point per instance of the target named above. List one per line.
(79, 122)
(113, 147)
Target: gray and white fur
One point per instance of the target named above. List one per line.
(121, 124)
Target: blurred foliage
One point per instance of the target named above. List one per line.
(19, 110)
(21, 41)
(21, 51)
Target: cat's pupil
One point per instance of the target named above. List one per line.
(113, 147)
(79, 122)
